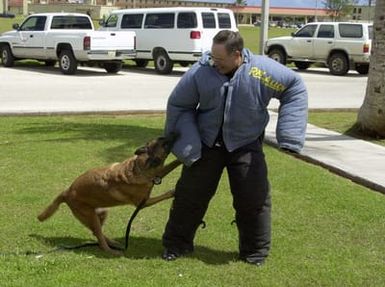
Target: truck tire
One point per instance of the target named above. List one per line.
(113, 67)
(362, 69)
(278, 54)
(141, 63)
(67, 62)
(163, 64)
(338, 64)
(302, 65)
(7, 57)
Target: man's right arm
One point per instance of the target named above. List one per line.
(181, 118)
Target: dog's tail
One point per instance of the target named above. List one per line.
(51, 209)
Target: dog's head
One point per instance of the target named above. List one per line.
(155, 152)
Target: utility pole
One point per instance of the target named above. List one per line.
(264, 25)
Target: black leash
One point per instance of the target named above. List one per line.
(134, 214)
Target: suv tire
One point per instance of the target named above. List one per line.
(67, 62)
(7, 57)
(163, 64)
(302, 65)
(278, 54)
(338, 64)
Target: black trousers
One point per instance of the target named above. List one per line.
(249, 185)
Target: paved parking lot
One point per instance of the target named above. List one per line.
(40, 89)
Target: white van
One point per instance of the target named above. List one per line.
(171, 35)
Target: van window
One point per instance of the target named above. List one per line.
(111, 21)
(224, 20)
(159, 21)
(350, 30)
(208, 20)
(133, 21)
(187, 20)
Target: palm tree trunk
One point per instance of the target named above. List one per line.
(371, 116)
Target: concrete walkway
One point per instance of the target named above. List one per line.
(358, 160)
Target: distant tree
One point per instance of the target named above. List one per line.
(339, 8)
(371, 117)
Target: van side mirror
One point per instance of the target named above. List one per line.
(16, 26)
(102, 22)
(292, 34)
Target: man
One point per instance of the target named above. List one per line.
(219, 107)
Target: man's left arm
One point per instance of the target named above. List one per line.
(292, 115)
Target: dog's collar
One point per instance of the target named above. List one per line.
(157, 180)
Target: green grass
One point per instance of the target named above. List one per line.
(327, 231)
(6, 23)
(250, 35)
(340, 121)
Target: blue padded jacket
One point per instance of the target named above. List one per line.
(204, 101)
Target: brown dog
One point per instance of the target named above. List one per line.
(128, 182)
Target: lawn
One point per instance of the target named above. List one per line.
(327, 231)
(340, 121)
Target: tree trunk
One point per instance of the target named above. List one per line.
(371, 116)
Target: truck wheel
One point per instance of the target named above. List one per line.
(163, 64)
(67, 62)
(141, 63)
(113, 68)
(184, 64)
(277, 54)
(362, 69)
(302, 65)
(338, 64)
(7, 57)
(50, 63)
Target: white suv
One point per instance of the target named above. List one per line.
(339, 45)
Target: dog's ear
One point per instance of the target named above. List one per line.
(141, 150)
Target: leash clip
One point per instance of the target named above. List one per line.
(157, 180)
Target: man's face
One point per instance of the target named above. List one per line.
(225, 62)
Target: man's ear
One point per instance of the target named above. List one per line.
(141, 150)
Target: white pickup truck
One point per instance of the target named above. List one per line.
(69, 38)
